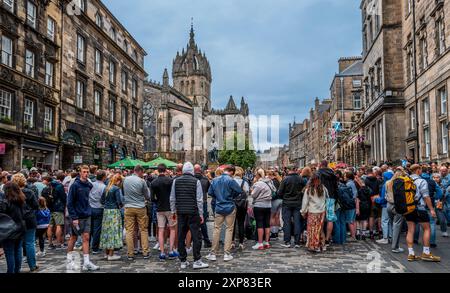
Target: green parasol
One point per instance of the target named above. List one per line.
(154, 164)
(128, 163)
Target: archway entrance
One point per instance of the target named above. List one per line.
(71, 151)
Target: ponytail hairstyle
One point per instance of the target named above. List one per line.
(116, 180)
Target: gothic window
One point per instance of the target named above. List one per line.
(186, 92)
(182, 86)
(192, 87)
(195, 63)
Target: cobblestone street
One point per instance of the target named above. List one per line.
(359, 257)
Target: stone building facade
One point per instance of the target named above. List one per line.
(426, 73)
(297, 143)
(346, 106)
(102, 90)
(30, 83)
(179, 122)
(383, 81)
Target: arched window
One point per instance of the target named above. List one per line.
(192, 87)
(182, 86)
(186, 92)
(125, 46)
(113, 34)
(98, 19)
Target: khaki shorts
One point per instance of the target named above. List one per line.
(57, 219)
(164, 218)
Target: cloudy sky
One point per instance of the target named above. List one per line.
(280, 54)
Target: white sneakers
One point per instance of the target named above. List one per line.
(383, 241)
(184, 265)
(227, 257)
(444, 234)
(200, 265)
(398, 250)
(156, 247)
(258, 246)
(114, 257)
(40, 253)
(189, 250)
(90, 267)
(211, 257)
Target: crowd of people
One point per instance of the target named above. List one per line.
(105, 211)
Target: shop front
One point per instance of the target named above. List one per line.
(38, 155)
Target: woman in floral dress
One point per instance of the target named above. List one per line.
(112, 230)
(314, 209)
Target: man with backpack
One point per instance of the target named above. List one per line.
(224, 190)
(56, 198)
(420, 216)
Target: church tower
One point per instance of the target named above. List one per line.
(191, 73)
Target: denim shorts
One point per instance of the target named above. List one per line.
(350, 216)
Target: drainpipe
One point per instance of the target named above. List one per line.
(60, 134)
(416, 102)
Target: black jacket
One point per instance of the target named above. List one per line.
(205, 185)
(374, 184)
(160, 192)
(31, 206)
(329, 180)
(291, 191)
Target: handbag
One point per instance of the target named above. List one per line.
(10, 230)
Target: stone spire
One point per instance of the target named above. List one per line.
(166, 78)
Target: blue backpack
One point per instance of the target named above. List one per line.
(345, 197)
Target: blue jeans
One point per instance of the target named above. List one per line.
(203, 226)
(340, 228)
(386, 224)
(13, 254)
(288, 214)
(442, 220)
(96, 228)
(30, 247)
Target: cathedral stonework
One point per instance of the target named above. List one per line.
(179, 121)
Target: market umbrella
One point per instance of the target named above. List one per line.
(154, 164)
(128, 163)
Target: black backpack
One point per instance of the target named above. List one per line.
(47, 193)
(345, 197)
(241, 200)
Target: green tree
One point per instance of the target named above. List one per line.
(242, 158)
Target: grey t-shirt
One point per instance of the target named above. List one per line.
(135, 191)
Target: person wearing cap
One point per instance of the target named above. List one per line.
(186, 204)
